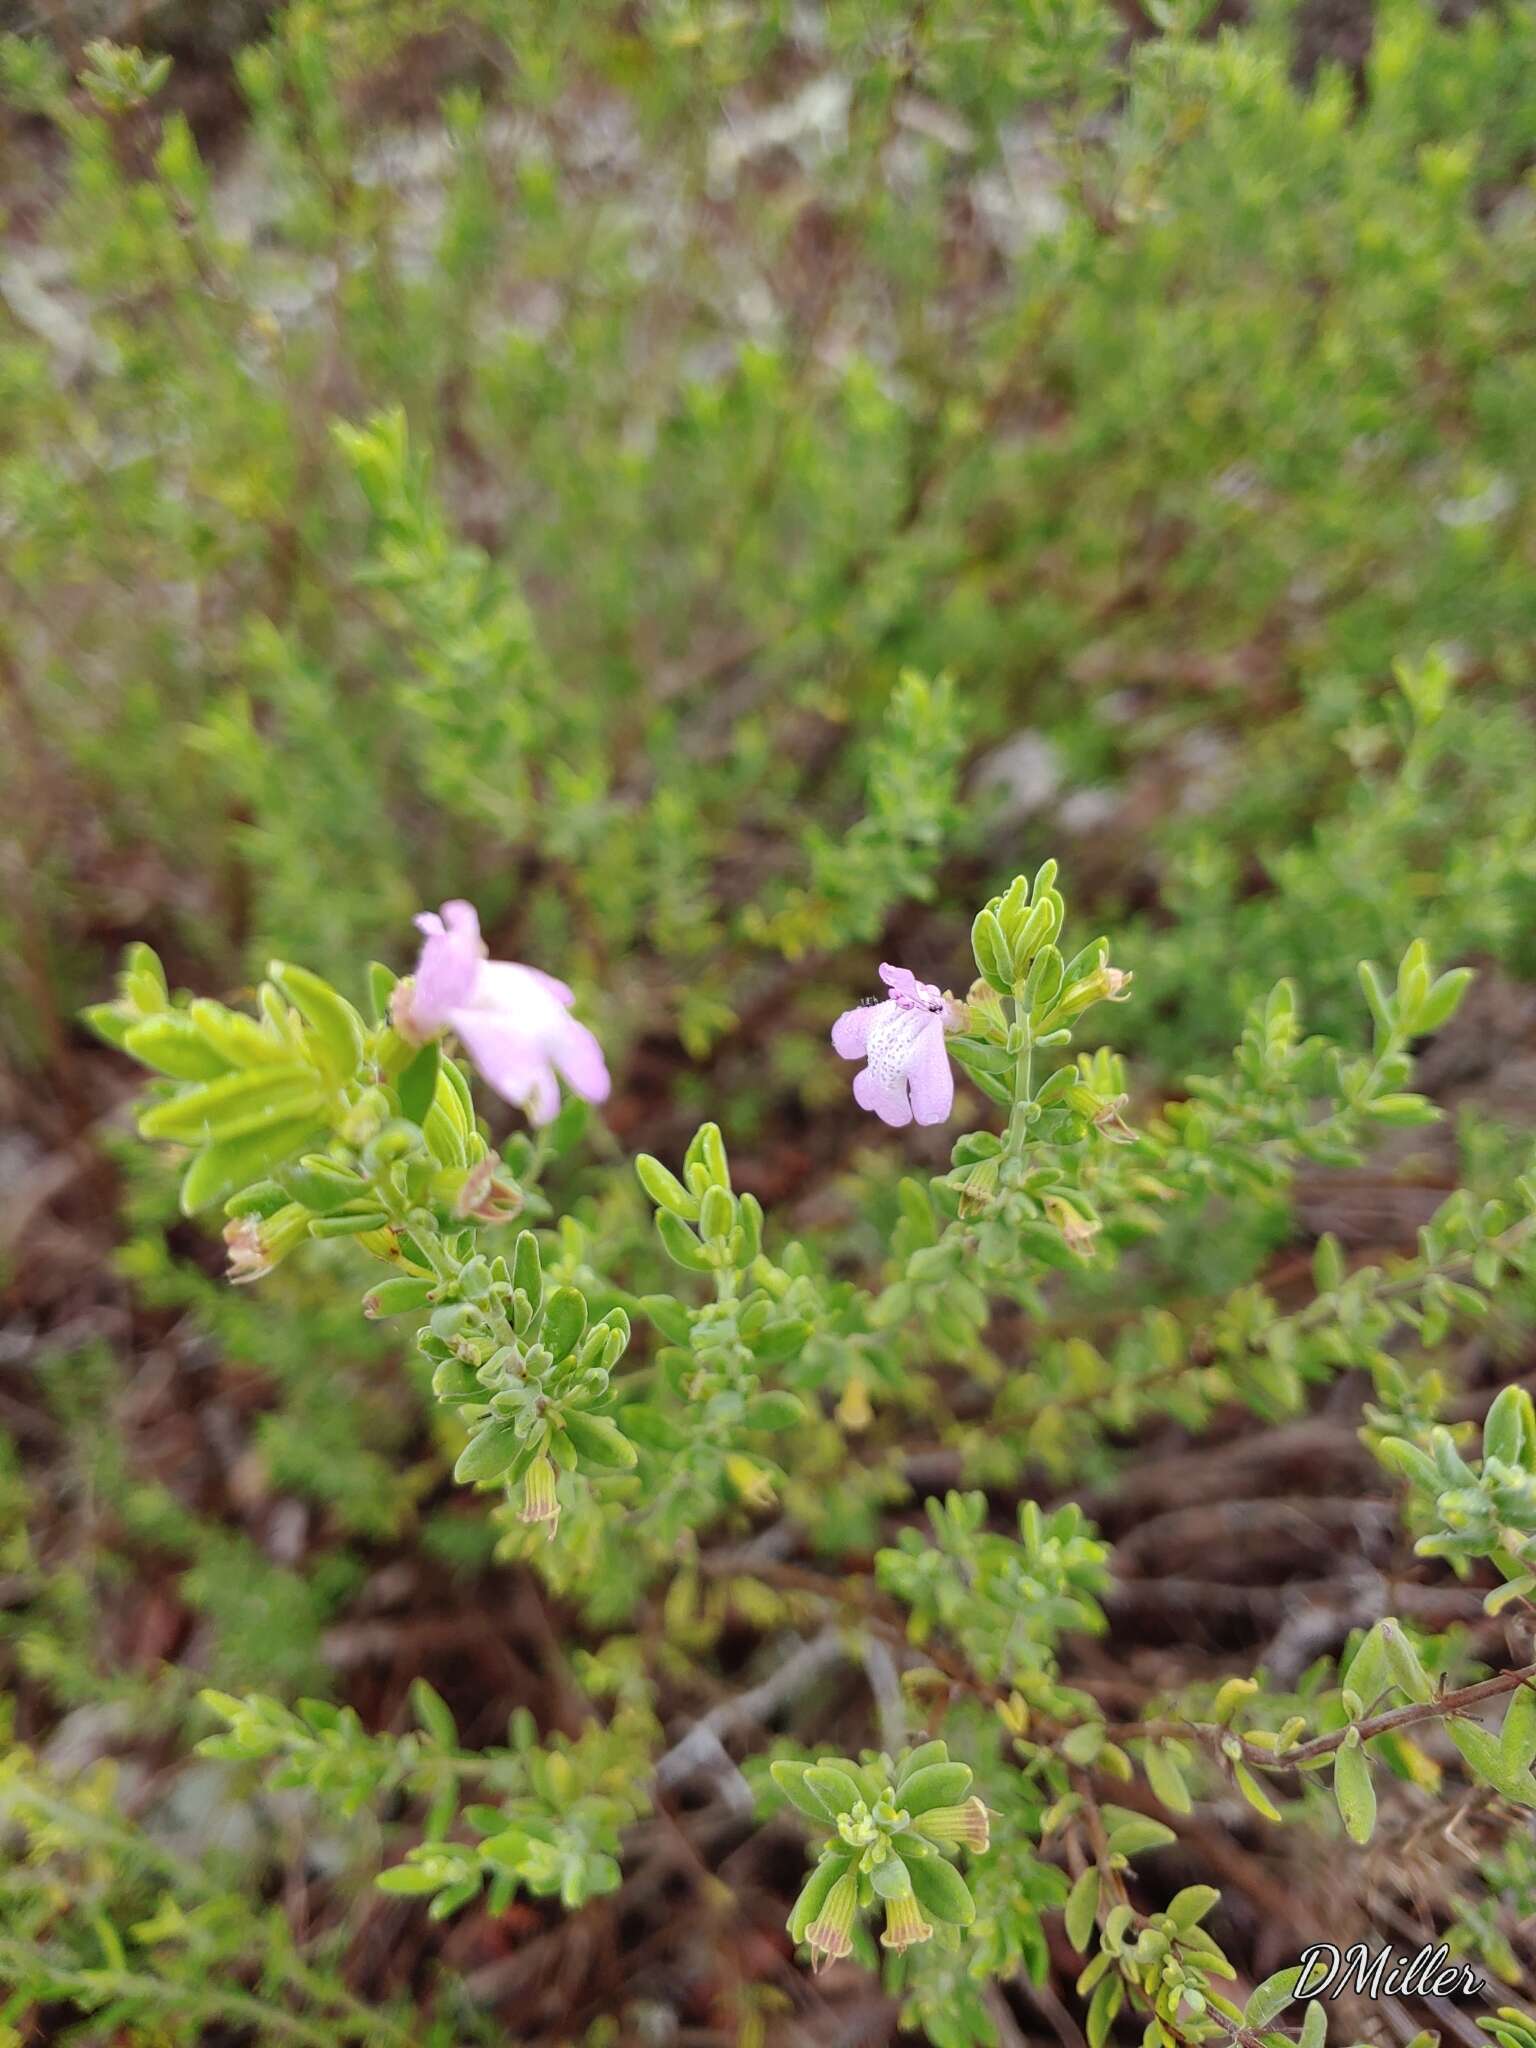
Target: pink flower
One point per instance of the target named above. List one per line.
(907, 1074)
(514, 1021)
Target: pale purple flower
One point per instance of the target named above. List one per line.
(514, 1021)
(907, 1074)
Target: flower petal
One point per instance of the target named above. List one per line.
(931, 1079)
(850, 1034)
(895, 1039)
(901, 981)
(449, 965)
(580, 1058)
(514, 1065)
(888, 1103)
(561, 991)
(523, 993)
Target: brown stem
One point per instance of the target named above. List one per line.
(1439, 1709)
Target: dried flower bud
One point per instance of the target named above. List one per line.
(1078, 1231)
(258, 1243)
(488, 1195)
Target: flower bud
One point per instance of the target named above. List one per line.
(257, 1243)
(831, 1934)
(968, 1824)
(904, 1923)
(853, 1411)
(1078, 1231)
(540, 1503)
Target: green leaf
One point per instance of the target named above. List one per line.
(1381, 1004)
(926, 1753)
(1402, 1112)
(382, 982)
(649, 1426)
(1483, 1753)
(1082, 1909)
(993, 961)
(1517, 1736)
(681, 1246)
(528, 1270)
(1409, 1462)
(1509, 1429)
(1314, 2026)
(833, 1787)
(1254, 1793)
(1166, 1779)
(172, 1044)
(1189, 1907)
(777, 1409)
(488, 1454)
(565, 1322)
(337, 1027)
(665, 1189)
(790, 1779)
(598, 1440)
(111, 1022)
(935, 1785)
(235, 1105)
(1138, 1833)
(1368, 1674)
(407, 1879)
(508, 1850)
(1403, 1662)
(669, 1315)
(1108, 1997)
(941, 1890)
(417, 1086)
(1084, 1743)
(1442, 1002)
(431, 1710)
(223, 1169)
(397, 1297)
(1354, 1791)
(1271, 1997)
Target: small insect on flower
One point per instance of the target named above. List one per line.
(907, 1075)
(514, 1021)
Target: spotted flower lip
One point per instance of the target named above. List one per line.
(907, 1077)
(514, 1021)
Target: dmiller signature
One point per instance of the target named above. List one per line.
(1327, 1971)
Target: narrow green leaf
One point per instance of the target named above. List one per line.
(1082, 1909)
(942, 1891)
(1271, 1997)
(1354, 1791)
(1165, 1778)
(1517, 1737)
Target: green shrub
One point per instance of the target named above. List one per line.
(704, 482)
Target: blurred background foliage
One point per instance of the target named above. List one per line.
(723, 486)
